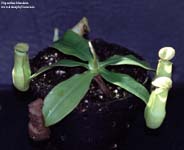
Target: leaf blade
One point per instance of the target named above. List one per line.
(125, 60)
(65, 96)
(70, 63)
(73, 44)
(126, 82)
(61, 63)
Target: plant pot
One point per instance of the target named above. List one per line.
(99, 122)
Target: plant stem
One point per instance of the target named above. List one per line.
(102, 86)
(95, 62)
(98, 78)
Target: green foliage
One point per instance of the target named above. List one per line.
(75, 45)
(125, 60)
(126, 82)
(63, 62)
(64, 97)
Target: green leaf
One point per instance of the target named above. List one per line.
(71, 63)
(63, 62)
(125, 60)
(65, 96)
(126, 82)
(73, 44)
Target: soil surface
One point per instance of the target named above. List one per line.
(100, 121)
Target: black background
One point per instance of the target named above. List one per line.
(143, 26)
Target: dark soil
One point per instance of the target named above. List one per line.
(99, 122)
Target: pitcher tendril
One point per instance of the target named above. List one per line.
(155, 111)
